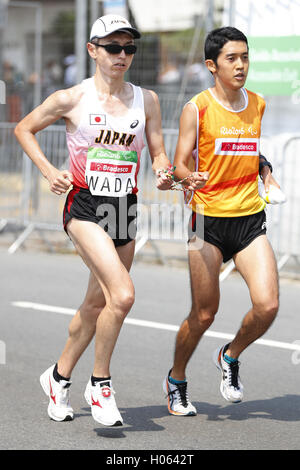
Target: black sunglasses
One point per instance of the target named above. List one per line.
(117, 48)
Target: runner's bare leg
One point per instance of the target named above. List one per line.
(204, 267)
(109, 297)
(257, 265)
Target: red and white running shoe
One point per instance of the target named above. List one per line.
(59, 408)
(101, 399)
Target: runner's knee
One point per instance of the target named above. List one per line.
(122, 302)
(202, 318)
(267, 310)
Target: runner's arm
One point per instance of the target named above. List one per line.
(53, 108)
(185, 145)
(265, 172)
(155, 139)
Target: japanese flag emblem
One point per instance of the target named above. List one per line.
(97, 119)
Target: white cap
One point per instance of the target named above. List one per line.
(109, 24)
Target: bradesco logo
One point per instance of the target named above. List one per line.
(106, 167)
(232, 146)
(247, 146)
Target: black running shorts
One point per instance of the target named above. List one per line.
(229, 234)
(117, 216)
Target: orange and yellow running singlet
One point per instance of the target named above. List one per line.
(228, 148)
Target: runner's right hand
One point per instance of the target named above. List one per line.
(60, 181)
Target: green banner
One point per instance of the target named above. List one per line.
(106, 154)
(274, 65)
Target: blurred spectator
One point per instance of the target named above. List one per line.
(170, 74)
(52, 78)
(197, 73)
(70, 71)
(29, 92)
(12, 81)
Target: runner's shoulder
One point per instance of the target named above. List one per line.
(203, 98)
(67, 99)
(150, 97)
(197, 103)
(256, 96)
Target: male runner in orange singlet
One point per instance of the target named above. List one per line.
(224, 124)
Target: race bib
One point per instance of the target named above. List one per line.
(110, 172)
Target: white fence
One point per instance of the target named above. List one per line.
(27, 203)
(286, 237)
(283, 220)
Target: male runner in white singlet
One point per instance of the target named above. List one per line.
(106, 118)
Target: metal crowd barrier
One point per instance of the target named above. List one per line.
(283, 221)
(27, 203)
(11, 185)
(287, 237)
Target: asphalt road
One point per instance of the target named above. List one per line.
(32, 337)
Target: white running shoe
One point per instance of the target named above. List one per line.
(231, 387)
(178, 400)
(59, 408)
(103, 405)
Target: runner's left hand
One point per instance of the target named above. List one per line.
(196, 180)
(268, 179)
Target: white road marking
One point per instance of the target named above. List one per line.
(151, 324)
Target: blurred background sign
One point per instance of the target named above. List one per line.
(115, 7)
(263, 17)
(274, 65)
(273, 32)
(166, 15)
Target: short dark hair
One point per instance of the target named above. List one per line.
(217, 38)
